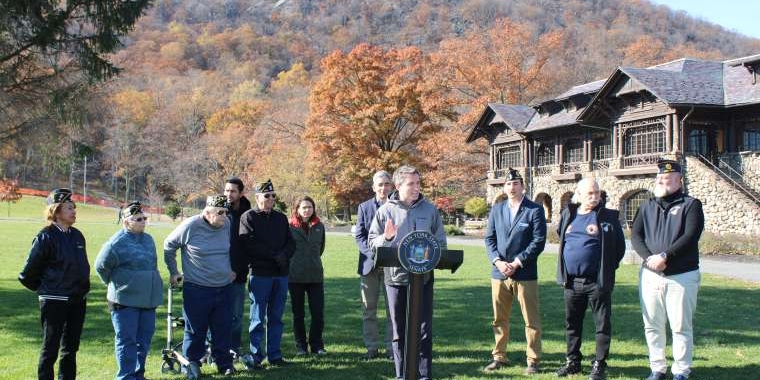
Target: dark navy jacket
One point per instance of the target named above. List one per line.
(57, 266)
(364, 218)
(612, 243)
(524, 239)
(268, 242)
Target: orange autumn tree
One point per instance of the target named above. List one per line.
(507, 63)
(366, 114)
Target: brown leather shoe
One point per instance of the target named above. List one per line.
(494, 365)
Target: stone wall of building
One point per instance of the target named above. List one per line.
(726, 209)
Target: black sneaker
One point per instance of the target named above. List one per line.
(571, 367)
(278, 362)
(598, 369)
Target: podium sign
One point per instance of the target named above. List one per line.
(418, 252)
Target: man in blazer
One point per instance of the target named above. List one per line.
(371, 278)
(515, 236)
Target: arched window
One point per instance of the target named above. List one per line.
(632, 203)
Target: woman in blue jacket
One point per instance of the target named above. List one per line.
(306, 277)
(127, 263)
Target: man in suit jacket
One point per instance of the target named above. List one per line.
(515, 236)
(371, 278)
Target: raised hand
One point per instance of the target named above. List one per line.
(390, 230)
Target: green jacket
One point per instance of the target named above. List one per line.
(306, 263)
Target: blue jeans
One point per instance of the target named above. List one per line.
(268, 296)
(238, 303)
(133, 328)
(207, 308)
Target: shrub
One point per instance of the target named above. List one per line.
(476, 206)
(172, 210)
(728, 244)
(452, 230)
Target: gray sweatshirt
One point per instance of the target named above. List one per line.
(205, 252)
(420, 216)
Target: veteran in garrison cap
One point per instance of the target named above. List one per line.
(269, 245)
(204, 241)
(666, 234)
(515, 236)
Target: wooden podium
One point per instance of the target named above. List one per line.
(419, 252)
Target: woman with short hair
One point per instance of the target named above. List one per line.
(58, 270)
(127, 264)
(306, 277)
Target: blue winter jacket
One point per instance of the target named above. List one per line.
(127, 263)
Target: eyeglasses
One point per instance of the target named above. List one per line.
(272, 195)
(221, 212)
(140, 219)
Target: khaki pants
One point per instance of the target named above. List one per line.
(372, 286)
(503, 292)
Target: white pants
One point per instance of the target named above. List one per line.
(671, 299)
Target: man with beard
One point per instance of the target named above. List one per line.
(666, 234)
(237, 205)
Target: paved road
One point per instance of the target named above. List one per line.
(738, 267)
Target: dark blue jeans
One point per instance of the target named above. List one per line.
(133, 328)
(207, 308)
(578, 297)
(397, 304)
(268, 297)
(62, 323)
(238, 304)
(315, 291)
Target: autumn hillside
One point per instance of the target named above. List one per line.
(318, 94)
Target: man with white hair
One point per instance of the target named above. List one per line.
(591, 245)
(666, 234)
(204, 241)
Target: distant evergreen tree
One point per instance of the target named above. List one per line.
(49, 49)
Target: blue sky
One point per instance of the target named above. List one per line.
(736, 15)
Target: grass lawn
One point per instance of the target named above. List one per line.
(727, 335)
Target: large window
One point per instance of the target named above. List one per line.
(644, 137)
(697, 142)
(574, 150)
(631, 205)
(545, 154)
(751, 139)
(509, 157)
(601, 148)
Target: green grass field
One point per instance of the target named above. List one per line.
(727, 336)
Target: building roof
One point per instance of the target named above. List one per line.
(682, 82)
(511, 116)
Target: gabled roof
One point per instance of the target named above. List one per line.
(586, 88)
(698, 82)
(514, 117)
(559, 119)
